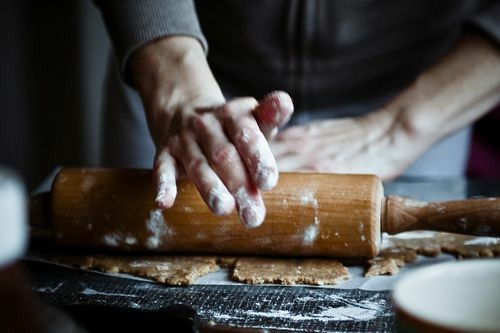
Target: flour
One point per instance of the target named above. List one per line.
(310, 234)
(87, 183)
(409, 203)
(130, 240)
(311, 231)
(483, 241)
(414, 235)
(91, 292)
(157, 227)
(115, 239)
(285, 203)
(251, 213)
(112, 239)
(362, 231)
(49, 289)
(344, 309)
(219, 200)
(167, 190)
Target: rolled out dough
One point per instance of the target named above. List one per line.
(182, 270)
(289, 271)
(389, 261)
(172, 270)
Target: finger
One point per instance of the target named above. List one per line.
(226, 162)
(273, 112)
(210, 187)
(164, 171)
(253, 149)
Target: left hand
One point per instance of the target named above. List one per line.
(377, 143)
(449, 95)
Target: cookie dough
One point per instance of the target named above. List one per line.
(172, 270)
(183, 270)
(432, 245)
(402, 250)
(289, 271)
(389, 261)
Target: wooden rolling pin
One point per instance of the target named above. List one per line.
(328, 215)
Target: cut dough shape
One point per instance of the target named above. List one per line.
(389, 261)
(289, 271)
(473, 251)
(431, 246)
(404, 250)
(172, 270)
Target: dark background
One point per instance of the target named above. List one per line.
(53, 56)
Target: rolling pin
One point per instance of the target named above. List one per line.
(327, 215)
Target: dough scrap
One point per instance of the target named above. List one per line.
(405, 250)
(255, 270)
(389, 261)
(172, 270)
(473, 251)
(432, 246)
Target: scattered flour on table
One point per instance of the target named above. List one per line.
(345, 309)
(91, 292)
(49, 289)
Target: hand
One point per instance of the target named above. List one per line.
(452, 93)
(377, 143)
(220, 146)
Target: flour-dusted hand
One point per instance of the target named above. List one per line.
(219, 145)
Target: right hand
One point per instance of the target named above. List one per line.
(220, 146)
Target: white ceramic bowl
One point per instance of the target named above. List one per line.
(450, 297)
(13, 228)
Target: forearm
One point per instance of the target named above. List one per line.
(131, 24)
(460, 88)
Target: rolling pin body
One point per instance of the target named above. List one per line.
(327, 215)
(307, 215)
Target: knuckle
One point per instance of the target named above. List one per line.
(225, 111)
(195, 166)
(172, 143)
(245, 136)
(225, 154)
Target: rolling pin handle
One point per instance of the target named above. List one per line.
(479, 217)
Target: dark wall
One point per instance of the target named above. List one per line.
(52, 58)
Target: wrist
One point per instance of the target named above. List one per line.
(171, 75)
(175, 67)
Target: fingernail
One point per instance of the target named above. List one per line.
(220, 201)
(166, 196)
(267, 177)
(251, 213)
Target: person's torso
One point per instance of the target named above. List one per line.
(326, 52)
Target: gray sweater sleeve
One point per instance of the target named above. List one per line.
(488, 21)
(134, 23)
